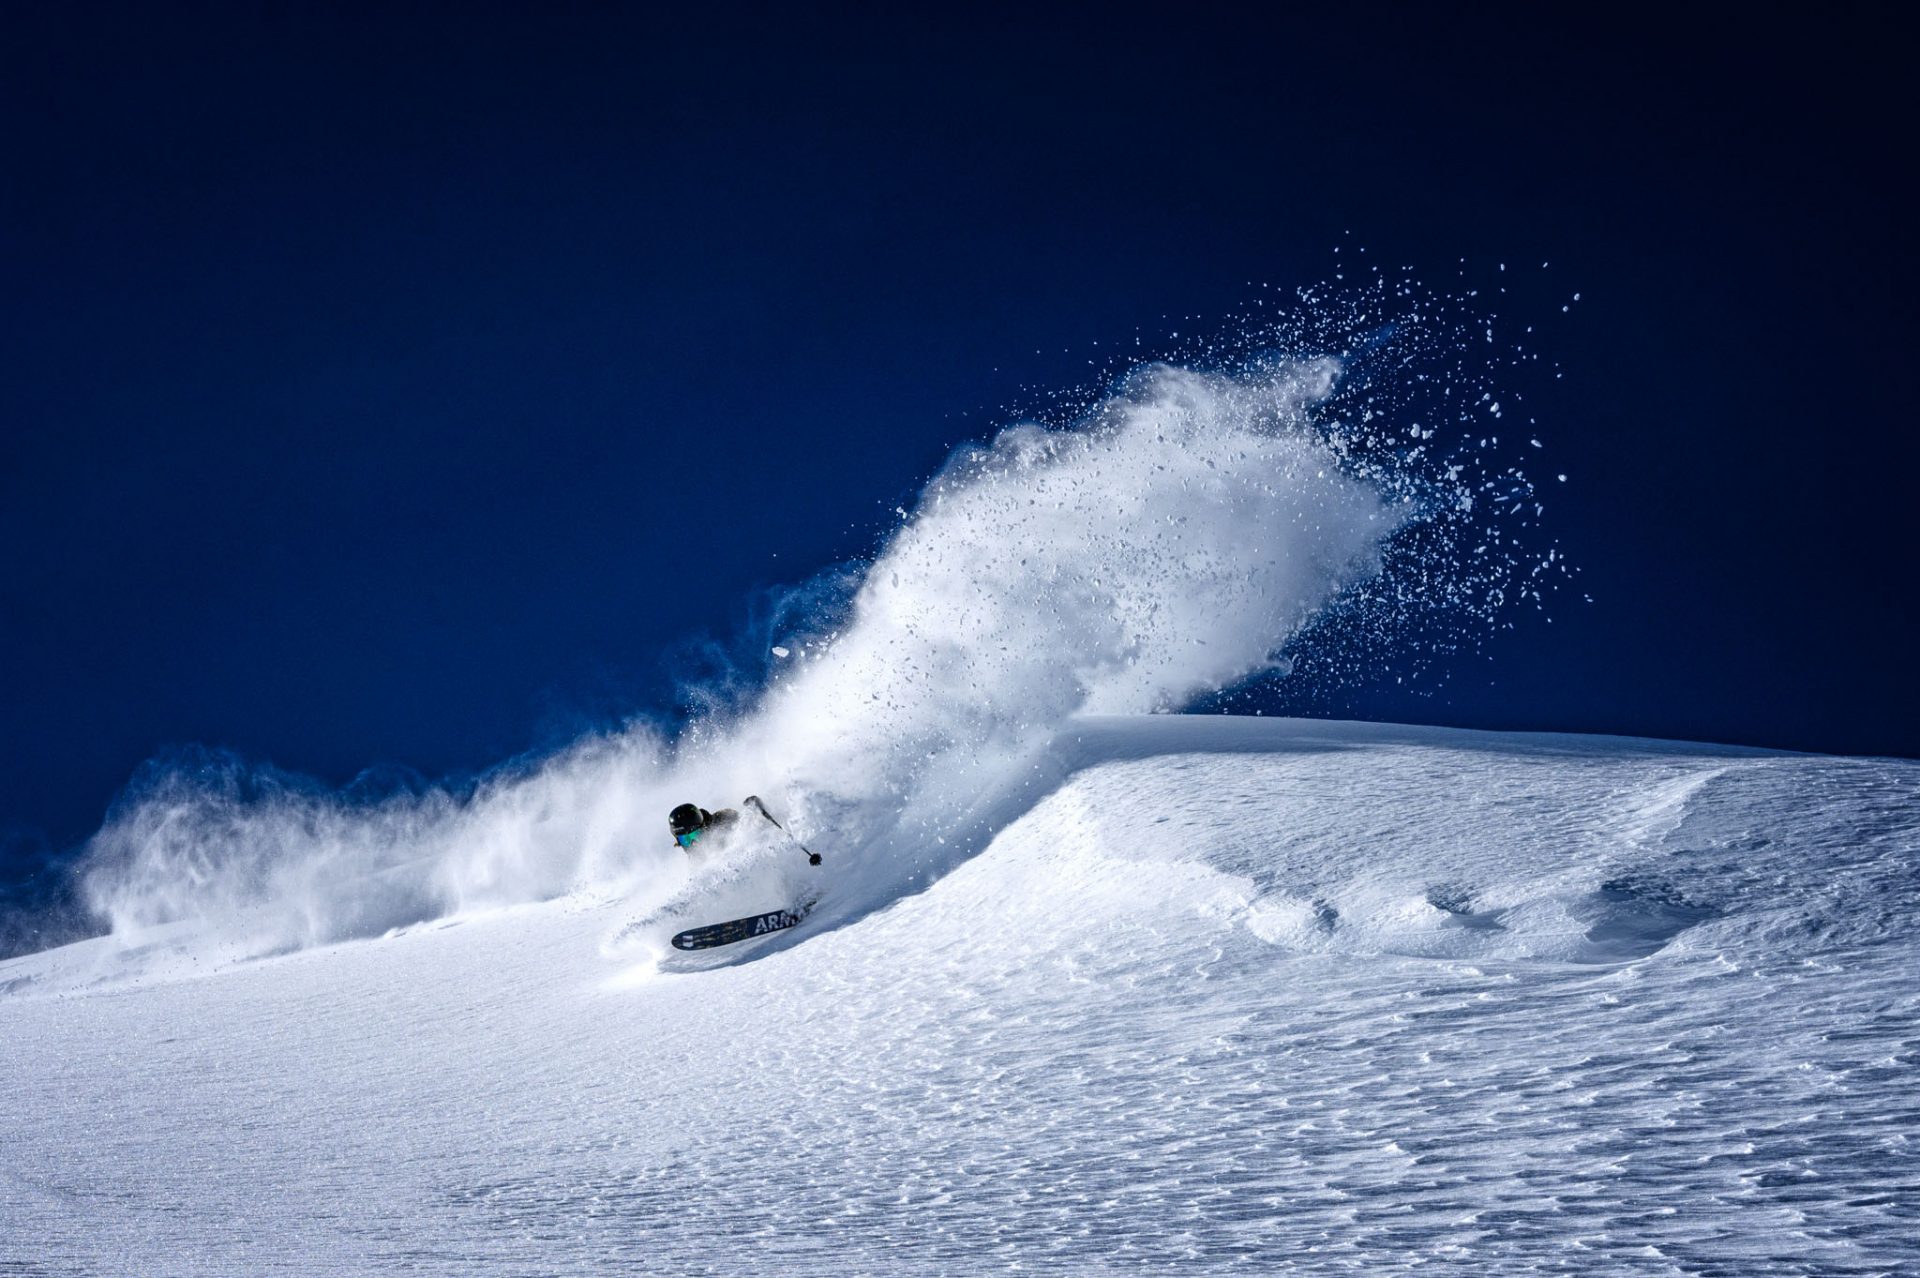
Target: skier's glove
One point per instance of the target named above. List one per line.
(813, 858)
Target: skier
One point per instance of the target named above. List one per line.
(691, 823)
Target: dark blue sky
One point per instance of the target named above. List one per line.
(395, 384)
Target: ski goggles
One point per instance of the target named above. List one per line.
(688, 839)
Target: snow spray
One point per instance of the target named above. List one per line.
(1173, 539)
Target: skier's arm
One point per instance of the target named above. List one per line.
(753, 801)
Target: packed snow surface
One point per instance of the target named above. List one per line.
(1208, 994)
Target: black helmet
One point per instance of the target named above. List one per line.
(687, 818)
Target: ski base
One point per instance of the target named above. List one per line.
(706, 938)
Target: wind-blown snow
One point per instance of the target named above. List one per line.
(1219, 995)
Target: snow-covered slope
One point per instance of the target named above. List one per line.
(1215, 994)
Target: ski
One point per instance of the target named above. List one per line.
(705, 938)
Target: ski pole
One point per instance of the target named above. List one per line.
(753, 801)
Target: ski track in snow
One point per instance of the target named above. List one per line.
(1218, 995)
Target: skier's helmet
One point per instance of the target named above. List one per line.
(686, 819)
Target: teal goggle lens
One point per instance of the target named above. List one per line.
(688, 839)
